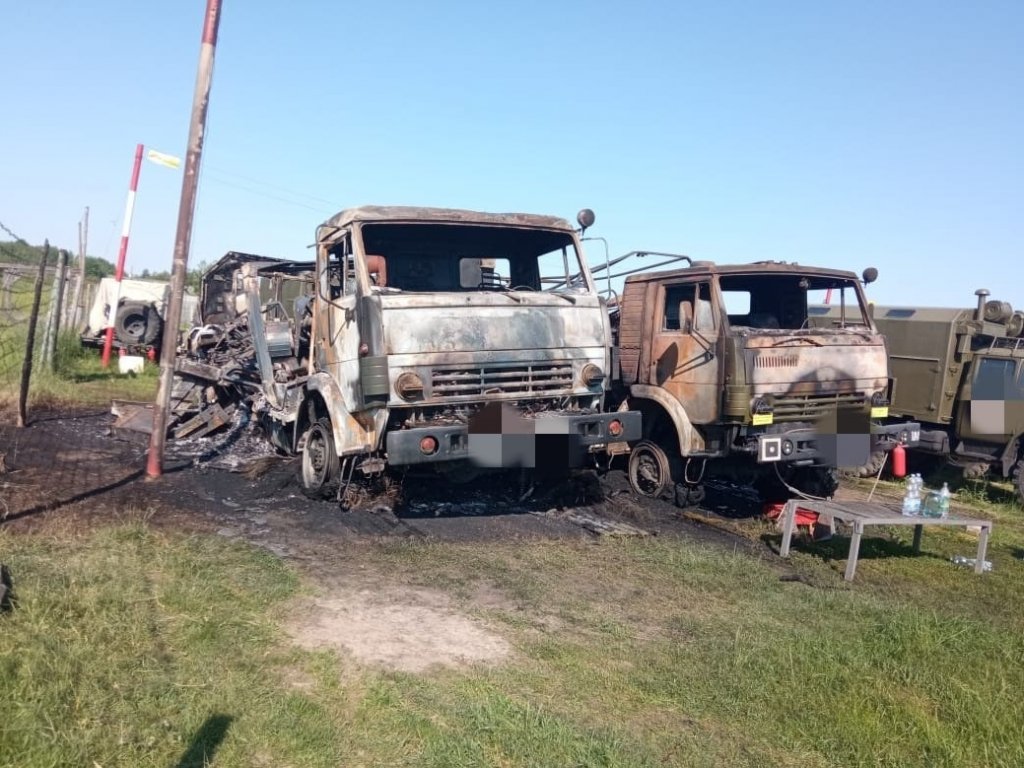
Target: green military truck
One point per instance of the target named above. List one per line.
(960, 372)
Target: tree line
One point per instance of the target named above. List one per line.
(96, 268)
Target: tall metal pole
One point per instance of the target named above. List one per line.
(189, 184)
(129, 208)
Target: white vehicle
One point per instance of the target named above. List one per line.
(139, 319)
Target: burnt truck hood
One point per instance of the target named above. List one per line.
(481, 323)
(808, 363)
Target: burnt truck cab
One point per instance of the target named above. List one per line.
(453, 339)
(733, 377)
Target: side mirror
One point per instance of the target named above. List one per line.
(870, 275)
(585, 218)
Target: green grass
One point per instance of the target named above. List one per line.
(77, 377)
(126, 647)
(129, 647)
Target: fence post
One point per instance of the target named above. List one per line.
(51, 320)
(58, 309)
(30, 341)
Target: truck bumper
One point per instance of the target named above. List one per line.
(885, 437)
(547, 441)
(807, 446)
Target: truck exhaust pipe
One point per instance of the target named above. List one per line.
(981, 293)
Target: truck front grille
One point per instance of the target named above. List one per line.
(809, 407)
(534, 379)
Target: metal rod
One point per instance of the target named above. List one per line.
(186, 210)
(129, 208)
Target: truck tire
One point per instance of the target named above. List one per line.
(650, 473)
(822, 482)
(319, 468)
(137, 324)
(1018, 479)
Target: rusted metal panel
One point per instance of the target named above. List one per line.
(631, 311)
(413, 214)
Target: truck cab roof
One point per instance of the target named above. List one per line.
(416, 214)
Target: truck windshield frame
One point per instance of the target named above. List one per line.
(784, 302)
(461, 258)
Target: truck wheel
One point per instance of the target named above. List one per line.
(649, 473)
(137, 324)
(822, 482)
(319, 471)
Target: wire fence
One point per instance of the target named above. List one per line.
(44, 296)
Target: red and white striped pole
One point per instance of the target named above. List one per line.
(108, 342)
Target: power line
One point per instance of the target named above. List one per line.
(244, 188)
(292, 192)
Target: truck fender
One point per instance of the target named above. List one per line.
(350, 435)
(1009, 457)
(690, 440)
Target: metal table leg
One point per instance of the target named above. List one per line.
(788, 520)
(851, 558)
(979, 565)
(918, 530)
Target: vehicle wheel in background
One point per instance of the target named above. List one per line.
(137, 324)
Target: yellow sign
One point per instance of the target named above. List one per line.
(161, 159)
(761, 419)
(879, 412)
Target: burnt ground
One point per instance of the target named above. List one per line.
(73, 469)
(76, 467)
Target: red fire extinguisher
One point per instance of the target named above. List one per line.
(899, 461)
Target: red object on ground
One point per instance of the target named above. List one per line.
(899, 461)
(803, 516)
(151, 354)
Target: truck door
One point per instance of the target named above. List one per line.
(685, 354)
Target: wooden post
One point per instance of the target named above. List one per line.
(77, 309)
(58, 310)
(53, 316)
(186, 209)
(33, 318)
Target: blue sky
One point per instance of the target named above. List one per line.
(839, 134)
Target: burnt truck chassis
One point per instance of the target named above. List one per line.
(257, 360)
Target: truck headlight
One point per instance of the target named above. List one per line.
(591, 375)
(409, 386)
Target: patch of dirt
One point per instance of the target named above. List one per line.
(409, 629)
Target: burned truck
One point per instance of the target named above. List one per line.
(733, 381)
(960, 372)
(419, 338)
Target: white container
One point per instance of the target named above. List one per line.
(130, 363)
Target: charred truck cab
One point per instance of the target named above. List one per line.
(456, 341)
(733, 379)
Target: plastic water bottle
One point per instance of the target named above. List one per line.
(912, 497)
(944, 496)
